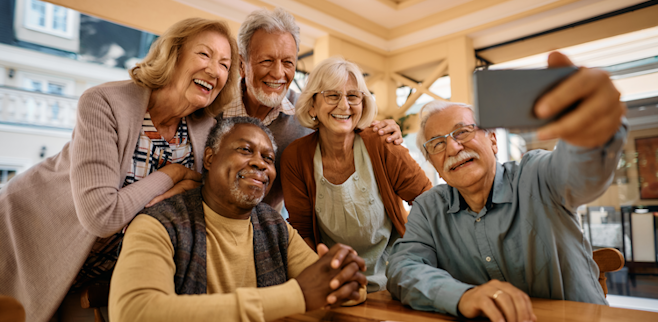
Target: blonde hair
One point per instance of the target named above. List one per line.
(157, 68)
(332, 73)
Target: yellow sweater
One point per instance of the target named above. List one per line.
(142, 287)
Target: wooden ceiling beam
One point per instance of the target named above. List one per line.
(609, 27)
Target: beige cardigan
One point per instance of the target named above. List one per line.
(51, 214)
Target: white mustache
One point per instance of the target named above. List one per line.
(459, 158)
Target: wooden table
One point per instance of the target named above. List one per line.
(381, 307)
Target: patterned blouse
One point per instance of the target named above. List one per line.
(151, 153)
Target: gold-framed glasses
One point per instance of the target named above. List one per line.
(333, 97)
(461, 135)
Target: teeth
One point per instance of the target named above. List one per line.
(203, 83)
(273, 85)
(461, 165)
(341, 117)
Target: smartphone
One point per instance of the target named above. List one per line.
(506, 98)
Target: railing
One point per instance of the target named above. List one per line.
(23, 107)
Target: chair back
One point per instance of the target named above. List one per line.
(608, 260)
(11, 310)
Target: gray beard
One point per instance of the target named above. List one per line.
(243, 199)
(272, 101)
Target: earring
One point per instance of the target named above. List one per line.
(313, 118)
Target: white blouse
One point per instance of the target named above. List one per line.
(352, 213)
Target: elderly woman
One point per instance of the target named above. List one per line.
(342, 184)
(135, 142)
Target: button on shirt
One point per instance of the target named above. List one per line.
(526, 235)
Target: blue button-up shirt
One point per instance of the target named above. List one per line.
(526, 235)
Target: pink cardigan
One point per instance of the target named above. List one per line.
(51, 214)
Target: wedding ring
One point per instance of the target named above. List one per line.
(495, 295)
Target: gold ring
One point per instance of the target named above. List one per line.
(495, 295)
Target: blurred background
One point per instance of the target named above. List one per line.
(411, 52)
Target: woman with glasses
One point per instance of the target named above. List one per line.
(342, 184)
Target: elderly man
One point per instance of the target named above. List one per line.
(269, 42)
(217, 252)
(499, 233)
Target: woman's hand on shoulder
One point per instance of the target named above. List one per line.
(178, 172)
(388, 127)
(179, 187)
(184, 179)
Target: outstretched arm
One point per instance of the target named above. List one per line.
(591, 136)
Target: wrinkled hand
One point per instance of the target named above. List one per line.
(510, 304)
(180, 187)
(178, 172)
(596, 118)
(336, 277)
(388, 126)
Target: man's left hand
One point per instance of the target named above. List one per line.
(388, 126)
(598, 114)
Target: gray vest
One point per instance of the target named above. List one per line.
(182, 216)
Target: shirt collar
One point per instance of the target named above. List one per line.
(236, 108)
(501, 192)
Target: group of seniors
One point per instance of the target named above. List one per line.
(189, 163)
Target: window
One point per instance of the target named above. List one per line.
(5, 175)
(46, 84)
(49, 18)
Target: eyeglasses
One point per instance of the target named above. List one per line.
(333, 97)
(461, 135)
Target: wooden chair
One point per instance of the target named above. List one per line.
(608, 260)
(11, 310)
(95, 296)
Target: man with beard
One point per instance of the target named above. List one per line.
(268, 42)
(499, 233)
(217, 252)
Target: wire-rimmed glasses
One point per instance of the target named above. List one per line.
(333, 97)
(461, 135)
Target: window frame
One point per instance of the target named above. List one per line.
(49, 20)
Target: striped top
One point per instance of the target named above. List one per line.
(154, 152)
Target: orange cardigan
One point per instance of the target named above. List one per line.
(398, 177)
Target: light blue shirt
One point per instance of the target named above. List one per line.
(527, 234)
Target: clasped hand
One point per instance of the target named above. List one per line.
(335, 278)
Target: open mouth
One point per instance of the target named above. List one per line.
(274, 85)
(457, 166)
(203, 84)
(341, 117)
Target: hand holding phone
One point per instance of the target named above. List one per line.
(506, 98)
(596, 109)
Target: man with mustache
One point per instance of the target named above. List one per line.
(269, 42)
(218, 253)
(499, 233)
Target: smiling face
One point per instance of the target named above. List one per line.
(201, 70)
(341, 118)
(242, 170)
(270, 68)
(462, 165)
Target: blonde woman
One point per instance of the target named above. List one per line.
(135, 142)
(342, 184)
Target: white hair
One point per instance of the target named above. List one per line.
(428, 110)
(275, 21)
(329, 74)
